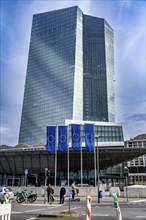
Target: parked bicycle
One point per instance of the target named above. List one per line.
(23, 196)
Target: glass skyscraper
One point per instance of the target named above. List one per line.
(98, 70)
(70, 72)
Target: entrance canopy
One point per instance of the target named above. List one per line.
(36, 160)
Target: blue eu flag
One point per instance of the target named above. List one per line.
(75, 131)
(89, 136)
(62, 138)
(51, 138)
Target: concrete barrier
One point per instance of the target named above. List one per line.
(114, 190)
(5, 211)
(135, 191)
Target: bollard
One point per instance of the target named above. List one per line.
(88, 208)
(116, 205)
(7, 198)
(70, 198)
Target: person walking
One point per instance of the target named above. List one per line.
(73, 190)
(50, 191)
(62, 194)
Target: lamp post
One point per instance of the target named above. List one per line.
(126, 170)
(46, 177)
(97, 151)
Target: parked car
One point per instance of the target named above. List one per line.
(4, 191)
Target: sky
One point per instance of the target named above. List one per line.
(126, 17)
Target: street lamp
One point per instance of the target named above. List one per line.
(126, 171)
(97, 136)
(46, 177)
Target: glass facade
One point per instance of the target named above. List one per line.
(109, 134)
(109, 57)
(98, 70)
(69, 73)
(53, 89)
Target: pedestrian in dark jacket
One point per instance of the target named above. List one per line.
(62, 194)
(50, 191)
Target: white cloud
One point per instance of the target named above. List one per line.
(130, 70)
(8, 136)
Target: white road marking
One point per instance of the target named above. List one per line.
(34, 210)
(101, 215)
(30, 218)
(15, 212)
(104, 215)
(65, 210)
(42, 204)
(142, 200)
(140, 217)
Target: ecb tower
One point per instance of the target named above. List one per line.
(70, 72)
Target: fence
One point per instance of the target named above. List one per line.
(5, 211)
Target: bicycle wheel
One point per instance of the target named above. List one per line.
(31, 199)
(19, 199)
(34, 197)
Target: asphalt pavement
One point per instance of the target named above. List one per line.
(30, 217)
(100, 211)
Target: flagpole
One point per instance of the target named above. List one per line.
(56, 156)
(97, 136)
(68, 157)
(55, 165)
(98, 168)
(95, 160)
(81, 156)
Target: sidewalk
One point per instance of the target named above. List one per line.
(105, 200)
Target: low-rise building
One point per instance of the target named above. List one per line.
(137, 167)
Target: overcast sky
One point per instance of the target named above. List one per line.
(128, 19)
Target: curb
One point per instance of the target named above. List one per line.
(61, 215)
